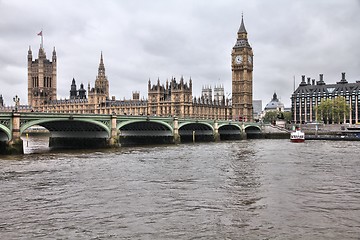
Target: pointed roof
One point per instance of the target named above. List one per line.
(274, 104)
(242, 41)
(275, 99)
(101, 60)
(101, 70)
(242, 26)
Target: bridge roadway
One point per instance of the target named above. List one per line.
(99, 130)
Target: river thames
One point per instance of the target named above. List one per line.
(249, 189)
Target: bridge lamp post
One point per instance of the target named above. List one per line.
(16, 99)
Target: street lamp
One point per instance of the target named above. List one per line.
(17, 101)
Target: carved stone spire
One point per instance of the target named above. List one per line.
(101, 71)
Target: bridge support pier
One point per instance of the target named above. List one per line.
(176, 131)
(114, 138)
(15, 145)
(216, 132)
(243, 134)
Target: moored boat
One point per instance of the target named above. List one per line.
(297, 136)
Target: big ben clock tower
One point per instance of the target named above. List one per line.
(242, 72)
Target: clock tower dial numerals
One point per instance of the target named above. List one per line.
(238, 59)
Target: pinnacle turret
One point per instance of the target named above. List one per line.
(242, 40)
(29, 54)
(101, 71)
(242, 26)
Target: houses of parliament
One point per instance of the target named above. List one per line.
(172, 98)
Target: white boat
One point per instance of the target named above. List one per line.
(297, 136)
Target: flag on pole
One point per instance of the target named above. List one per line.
(42, 39)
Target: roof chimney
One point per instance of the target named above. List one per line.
(343, 80)
(303, 83)
(321, 81)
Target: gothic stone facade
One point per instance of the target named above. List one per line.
(173, 99)
(41, 78)
(242, 72)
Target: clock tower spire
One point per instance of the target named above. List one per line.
(242, 73)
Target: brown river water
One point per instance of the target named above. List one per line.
(248, 189)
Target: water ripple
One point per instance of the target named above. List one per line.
(251, 189)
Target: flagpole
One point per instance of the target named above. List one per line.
(42, 39)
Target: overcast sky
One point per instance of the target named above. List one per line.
(142, 40)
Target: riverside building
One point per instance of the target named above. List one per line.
(311, 93)
(174, 98)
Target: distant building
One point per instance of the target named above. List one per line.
(257, 105)
(274, 104)
(310, 94)
(174, 99)
(206, 93)
(219, 94)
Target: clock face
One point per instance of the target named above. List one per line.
(238, 59)
(249, 59)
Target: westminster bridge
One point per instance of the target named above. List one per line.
(98, 130)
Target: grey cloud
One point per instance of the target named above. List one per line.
(150, 39)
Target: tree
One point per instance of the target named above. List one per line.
(287, 116)
(341, 109)
(334, 110)
(324, 110)
(271, 116)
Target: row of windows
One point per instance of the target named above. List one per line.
(46, 83)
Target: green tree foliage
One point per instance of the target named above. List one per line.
(287, 116)
(272, 116)
(333, 110)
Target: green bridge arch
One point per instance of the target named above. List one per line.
(6, 130)
(182, 124)
(253, 126)
(50, 120)
(127, 122)
(229, 124)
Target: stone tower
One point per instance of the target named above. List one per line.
(101, 82)
(206, 93)
(73, 91)
(242, 72)
(41, 78)
(100, 92)
(219, 95)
